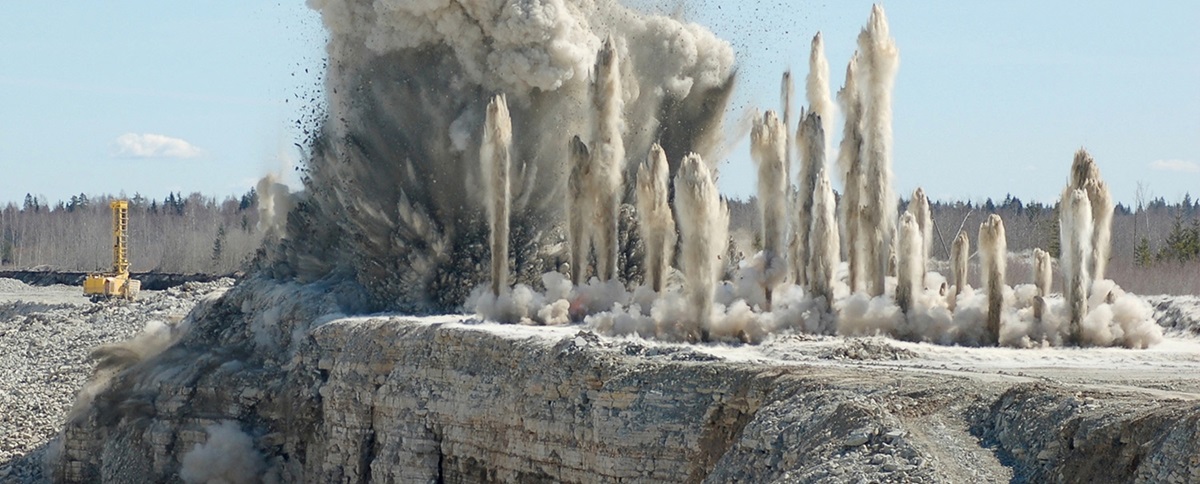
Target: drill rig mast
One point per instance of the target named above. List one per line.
(117, 282)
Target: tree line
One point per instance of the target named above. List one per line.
(1155, 243)
(178, 234)
(1151, 239)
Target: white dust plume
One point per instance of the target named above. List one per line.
(909, 272)
(1075, 229)
(850, 167)
(960, 255)
(1085, 175)
(993, 261)
(817, 90)
(494, 156)
(878, 62)
(787, 89)
(768, 147)
(824, 242)
(608, 159)
(1043, 278)
(703, 228)
(655, 222)
(919, 207)
(811, 141)
(813, 155)
(578, 209)
(275, 200)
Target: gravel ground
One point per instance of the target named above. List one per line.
(46, 335)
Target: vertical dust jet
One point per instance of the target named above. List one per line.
(823, 251)
(768, 147)
(919, 207)
(1085, 175)
(909, 273)
(703, 230)
(274, 204)
(879, 60)
(820, 103)
(815, 134)
(787, 89)
(824, 243)
(817, 91)
(1075, 234)
(656, 226)
(494, 156)
(850, 168)
(960, 255)
(1042, 279)
(811, 141)
(608, 158)
(579, 209)
(993, 254)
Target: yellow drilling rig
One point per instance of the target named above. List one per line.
(116, 283)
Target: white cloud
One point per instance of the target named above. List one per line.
(1178, 166)
(146, 145)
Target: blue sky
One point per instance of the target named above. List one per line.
(991, 97)
(994, 98)
(77, 76)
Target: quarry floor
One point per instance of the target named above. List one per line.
(46, 334)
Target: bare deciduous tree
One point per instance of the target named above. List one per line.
(176, 234)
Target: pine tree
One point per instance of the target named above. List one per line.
(249, 200)
(1050, 232)
(1141, 254)
(1182, 244)
(218, 247)
(180, 203)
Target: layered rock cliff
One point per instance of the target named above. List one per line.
(325, 398)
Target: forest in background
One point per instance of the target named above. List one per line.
(1156, 244)
(192, 234)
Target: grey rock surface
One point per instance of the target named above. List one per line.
(46, 337)
(330, 398)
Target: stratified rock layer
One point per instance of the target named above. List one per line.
(396, 399)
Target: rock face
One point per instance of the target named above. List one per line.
(395, 399)
(1095, 441)
(556, 412)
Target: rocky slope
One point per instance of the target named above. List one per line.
(325, 398)
(46, 336)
